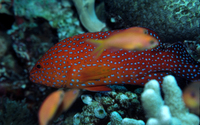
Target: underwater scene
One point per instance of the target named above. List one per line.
(99, 62)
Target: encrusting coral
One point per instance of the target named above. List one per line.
(101, 108)
(58, 13)
(193, 48)
(88, 16)
(172, 110)
(92, 114)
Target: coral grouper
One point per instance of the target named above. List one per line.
(69, 64)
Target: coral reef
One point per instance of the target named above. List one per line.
(92, 113)
(77, 119)
(124, 103)
(116, 119)
(15, 113)
(5, 44)
(172, 20)
(172, 110)
(4, 7)
(58, 13)
(193, 48)
(23, 47)
(87, 99)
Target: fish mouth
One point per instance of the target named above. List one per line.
(154, 46)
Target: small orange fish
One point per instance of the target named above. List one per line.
(56, 103)
(135, 38)
(49, 107)
(191, 97)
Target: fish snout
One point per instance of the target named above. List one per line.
(153, 43)
(32, 76)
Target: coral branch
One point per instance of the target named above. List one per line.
(173, 112)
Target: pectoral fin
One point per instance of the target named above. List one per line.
(93, 74)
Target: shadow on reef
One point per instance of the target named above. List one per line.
(16, 113)
(6, 22)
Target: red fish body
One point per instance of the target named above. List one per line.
(69, 64)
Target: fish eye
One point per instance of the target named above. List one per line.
(151, 42)
(39, 66)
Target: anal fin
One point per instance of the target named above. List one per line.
(98, 88)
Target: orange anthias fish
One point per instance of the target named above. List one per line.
(50, 106)
(191, 97)
(55, 104)
(69, 64)
(135, 38)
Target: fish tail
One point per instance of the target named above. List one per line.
(100, 47)
(97, 52)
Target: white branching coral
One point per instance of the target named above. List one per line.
(172, 110)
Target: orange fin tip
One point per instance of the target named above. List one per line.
(98, 88)
(69, 98)
(99, 47)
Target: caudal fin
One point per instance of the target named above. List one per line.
(99, 47)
